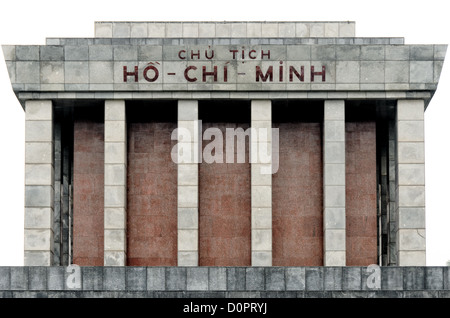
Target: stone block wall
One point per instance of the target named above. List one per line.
(39, 183)
(225, 282)
(223, 29)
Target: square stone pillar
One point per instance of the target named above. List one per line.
(39, 183)
(334, 243)
(410, 194)
(115, 205)
(261, 182)
(187, 164)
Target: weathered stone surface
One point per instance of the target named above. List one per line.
(136, 278)
(5, 278)
(360, 64)
(156, 278)
(176, 278)
(275, 278)
(392, 278)
(27, 53)
(446, 278)
(351, 278)
(235, 278)
(217, 278)
(19, 278)
(37, 276)
(224, 29)
(254, 278)
(414, 278)
(197, 278)
(55, 278)
(333, 278)
(314, 278)
(434, 278)
(114, 278)
(92, 278)
(199, 282)
(295, 278)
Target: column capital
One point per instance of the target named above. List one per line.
(410, 109)
(115, 110)
(38, 110)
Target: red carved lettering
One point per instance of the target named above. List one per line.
(182, 57)
(186, 74)
(250, 54)
(205, 73)
(225, 74)
(195, 54)
(318, 73)
(126, 74)
(155, 76)
(209, 57)
(234, 53)
(269, 74)
(293, 71)
(265, 54)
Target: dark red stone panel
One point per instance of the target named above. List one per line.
(152, 195)
(88, 191)
(225, 209)
(361, 194)
(297, 237)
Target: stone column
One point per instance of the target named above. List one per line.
(39, 184)
(187, 159)
(261, 182)
(334, 247)
(392, 249)
(410, 192)
(115, 205)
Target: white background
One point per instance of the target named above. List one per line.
(30, 22)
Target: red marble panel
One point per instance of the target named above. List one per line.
(225, 209)
(361, 194)
(297, 236)
(152, 195)
(88, 192)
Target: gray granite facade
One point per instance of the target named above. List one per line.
(112, 67)
(183, 60)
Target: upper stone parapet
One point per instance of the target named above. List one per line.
(227, 59)
(224, 29)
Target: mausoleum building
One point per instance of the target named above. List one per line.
(224, 144)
